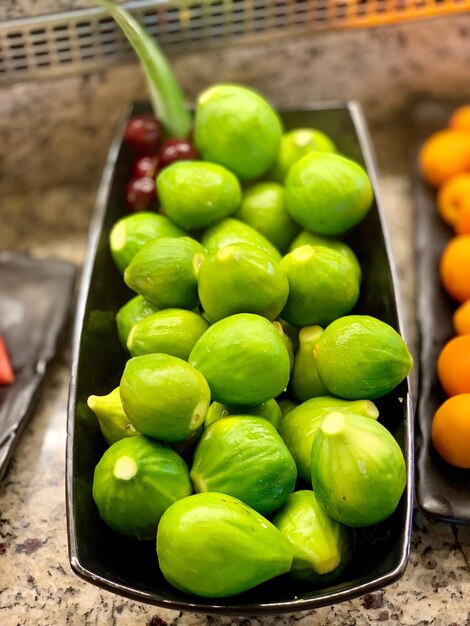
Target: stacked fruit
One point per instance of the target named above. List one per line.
(144, 135)
(239, 316)
(445, 164)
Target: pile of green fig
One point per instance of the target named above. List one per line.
(243, 437)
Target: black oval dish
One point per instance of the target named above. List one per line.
(130, 568)
(442, 491)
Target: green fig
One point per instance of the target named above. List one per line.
(238, 128)
(230, 231)
(163, 396)
(310, 239)
(215, 546)
(241, 278)
(165, 272)
(306, 382)
(286, 405)
(130, 313)
(244, 456)
(195, 194)
(295, 144)
(270, 410)
(135, 481)
(132, 232)
(323, 285)
(358, 469)
(171, 331)
(243, 359)
(299, 427)
(322, 546)
(114, 423)
(291, 331)
(264, 208)
(359, 356)
(287, 342)
(327, 193)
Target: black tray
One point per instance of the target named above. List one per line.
(35, 298)
(129, 568)
(443, 491)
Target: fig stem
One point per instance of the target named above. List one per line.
(333, 424)
(125, 468)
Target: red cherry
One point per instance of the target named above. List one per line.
(143, 133)
(176, 150)
(140, 194)
(145, 166)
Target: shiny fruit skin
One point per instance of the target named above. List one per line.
(145, 166)
(143, 134)
(451, 430)
(453, 366)
(176, 150)
(140, 194)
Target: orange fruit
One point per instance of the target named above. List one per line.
(451, 196)
(450, 432)
(453, 366)
(462, 220)
(460, 118)
(461, 319)
(454, 268)
(445, 154)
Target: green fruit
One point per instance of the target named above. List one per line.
(299, 427)
(359, 356)
(306, 382)
(287, 342)
(323, 285)
(270, 410)
(132, 232)
(163, 396)
(322, 546)
(114, 423)
(358, 469)
(215, 546)
(243, 359)
(230, 231)
(286, 405)
(172, 331)
(236, 127)
(328, 193)
(186, 446)
(292, 332)
(132, 312)
(241, 278)
(165, 272)
(135, 481)
(294, 145)
(310, 239)
(195, 194)
(264, 208)
(244, 457)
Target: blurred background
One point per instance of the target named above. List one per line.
(66, 71)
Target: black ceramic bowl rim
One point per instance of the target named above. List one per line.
(300, 604)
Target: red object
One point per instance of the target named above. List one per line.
(7, 375)
(145, 166)
(176, 150)
(144, 134)
(141, 194)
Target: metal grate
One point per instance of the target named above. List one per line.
(88, 39)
